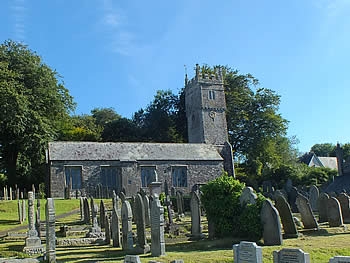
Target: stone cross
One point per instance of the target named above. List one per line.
(157, 227)
(196, 225)
(307, 217)
(127, 240)
(247, 252)
(289, 227)
(33, 242)
(50, 231)
(270, 219)
(115, 228)
(142, 245)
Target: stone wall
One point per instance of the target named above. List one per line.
(197, 172)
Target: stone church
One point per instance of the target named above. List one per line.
(85, 168)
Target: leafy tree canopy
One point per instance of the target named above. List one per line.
(324, 149)
(33, 104)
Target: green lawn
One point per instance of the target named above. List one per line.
(322, 245)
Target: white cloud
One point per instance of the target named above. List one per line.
(115, 27)
(19, 11)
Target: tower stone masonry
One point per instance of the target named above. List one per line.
(205, 108)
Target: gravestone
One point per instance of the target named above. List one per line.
(81, 202)
(92, 206)
(322, 207)
(196, 225)
(340, 259)
(37, 221)
(24, 210)
(20, 212)
(157, 227)
(103, 211)
(33, 242)
(334, 213)
(87, 217)
(267, 188)
(344, 201)
(247, 252)
(145, 200)
(313, 197)
(107, 230)
(115, 200)
(10, 195)
(307, 217)
(141, 246)
(95, 230)
(248, 196)
(50, 231)
(180, 204)
(122, 196)
(132, 259)
(289, 227)
(272, 232)
(288, 186)
(115, 228)
(292, 197)
(291, 255)
(127, 240)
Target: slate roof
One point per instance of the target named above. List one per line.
(312, 160)
(123, 151)
(330, 162)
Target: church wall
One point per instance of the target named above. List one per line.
(198, 172)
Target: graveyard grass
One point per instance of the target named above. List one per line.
(321, 245)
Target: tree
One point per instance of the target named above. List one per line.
(33, 104)
(324, 149)
(121, 130)
(103, 116)
(256, 130)
(81, 128)
(160, 120)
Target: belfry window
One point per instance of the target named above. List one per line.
(211, 94)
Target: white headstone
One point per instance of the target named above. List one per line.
(247, 252)
(287, 255)
(340, 259)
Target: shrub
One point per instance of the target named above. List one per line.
(220, 200)
(250, 226)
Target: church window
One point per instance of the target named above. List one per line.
(111, 177)
(148, 175)
(211, 94)
(179, 176)
(73, 174)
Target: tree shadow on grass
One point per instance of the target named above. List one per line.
(9, 222)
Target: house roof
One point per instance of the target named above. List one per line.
(124, 151)
(312, 160)
(330, 162)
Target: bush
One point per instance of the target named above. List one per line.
(220, 200)
(250, 226)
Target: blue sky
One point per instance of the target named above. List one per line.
(119, 53)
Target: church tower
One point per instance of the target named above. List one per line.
(205, 108)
